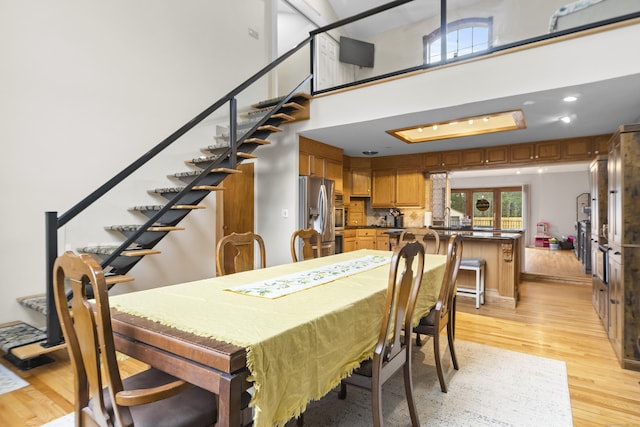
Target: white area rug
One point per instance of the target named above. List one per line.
(493, 387)
(10, 381)
(66, 421)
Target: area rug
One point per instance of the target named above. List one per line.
(10, 381)
(493, 387)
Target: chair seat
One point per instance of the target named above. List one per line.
(197, 406)
(472, 262)
(429, 319)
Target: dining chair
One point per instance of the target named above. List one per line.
(443, 313)
(235, 253)
(393, 348)
(430, 240)
(101, 396)
(311, 247)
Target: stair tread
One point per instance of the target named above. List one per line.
(269, 128)
(109, 249)
(189, 174)
(246, 155)
(136, 227)
(257, 141)
(158, 207)
(33, 350)
(179, 189)
(275, 101)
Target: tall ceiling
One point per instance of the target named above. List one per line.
(600, 108)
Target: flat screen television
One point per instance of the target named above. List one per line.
(356, 52)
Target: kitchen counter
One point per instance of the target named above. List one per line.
(503, 252)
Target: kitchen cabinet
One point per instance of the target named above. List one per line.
(451, 159)
(382, 239)
(397, 188)
(349, 240)
(320, 160)
(496, 155)
(623, 167)
(432, 161)
(473, 157)
(535, 152)
(365, 238)
(360, 182)
(346, 186)
(356, 213)
(333, 171)
(578, 149)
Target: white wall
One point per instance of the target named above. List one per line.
(89, 86)
(552, 197)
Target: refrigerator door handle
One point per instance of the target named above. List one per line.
(323, 206)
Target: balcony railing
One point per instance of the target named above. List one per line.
(420, 34)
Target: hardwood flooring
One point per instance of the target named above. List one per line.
(552, 319)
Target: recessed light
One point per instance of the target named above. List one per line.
(570, 98)
(369, 153)
(565, 119)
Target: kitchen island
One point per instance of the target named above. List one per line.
(503, 252)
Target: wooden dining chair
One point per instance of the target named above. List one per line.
(430, 240)
(443, 313)
(101, 397)
(311, 247)
(235, 253)
(393, 348)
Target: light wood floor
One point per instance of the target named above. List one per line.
(554, 320)
(554, 263)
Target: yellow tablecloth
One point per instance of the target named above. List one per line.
(298, 346)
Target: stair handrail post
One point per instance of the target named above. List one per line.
(233, 131)
(54, 330)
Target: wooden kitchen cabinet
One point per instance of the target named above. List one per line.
(356, 213)
(397, 188)
(360, 182)
(349, 240)
(365, 238)
(473, 157)
(547, 151)
(451, 159)
(346, 186)
(382, 239)
(578, 149)
(383, 183)
(521, 153)
(496, 155)
(432, 161)
(333, 171)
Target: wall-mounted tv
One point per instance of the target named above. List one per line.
(356, 52)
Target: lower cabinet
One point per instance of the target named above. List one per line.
(349, 241)
(365, 238)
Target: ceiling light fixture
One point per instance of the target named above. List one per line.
(467, 126)
(369, 153)
(565, 119)
(570, 98)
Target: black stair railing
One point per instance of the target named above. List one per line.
(53, 222)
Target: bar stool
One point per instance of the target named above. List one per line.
(477, 265)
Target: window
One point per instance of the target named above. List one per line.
(464, 37)
(491, 208)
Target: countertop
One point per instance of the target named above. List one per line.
(477, 233)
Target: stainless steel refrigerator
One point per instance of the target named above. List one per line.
(316, 204)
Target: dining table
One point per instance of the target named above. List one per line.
(288, 333)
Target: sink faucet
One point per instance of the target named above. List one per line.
(447, 216)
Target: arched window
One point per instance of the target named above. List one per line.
(464, 37)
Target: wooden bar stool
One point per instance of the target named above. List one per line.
(477, 265)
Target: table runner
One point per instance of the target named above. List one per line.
(285, 285)
(298, 347)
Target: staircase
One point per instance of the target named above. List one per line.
(207, 173)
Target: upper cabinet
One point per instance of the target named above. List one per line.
(359, 171)
(545, 151)
(321, 160)
(397, 181)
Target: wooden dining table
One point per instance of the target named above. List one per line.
(227, 334)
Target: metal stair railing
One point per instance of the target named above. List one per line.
(53, 222)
